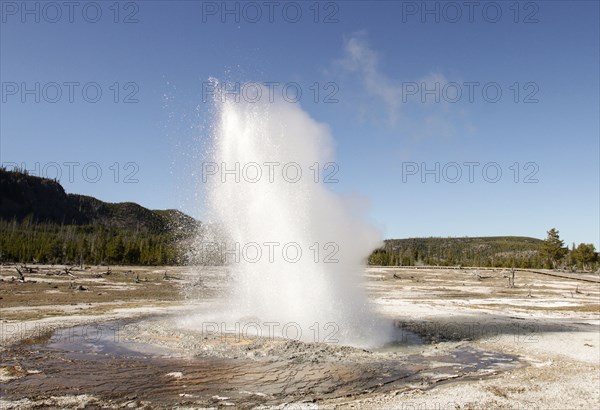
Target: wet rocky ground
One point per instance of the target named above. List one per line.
(148, 363)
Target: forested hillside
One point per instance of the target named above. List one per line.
(488, 251)
(499, 251)
(40, 222)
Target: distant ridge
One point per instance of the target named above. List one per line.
(40, 222)
(518, 251)
(43, 200)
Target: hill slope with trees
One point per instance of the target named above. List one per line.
(40, 222)
(498, 251)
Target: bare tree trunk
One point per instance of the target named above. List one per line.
(21, 277)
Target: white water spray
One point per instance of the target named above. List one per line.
(301, 248)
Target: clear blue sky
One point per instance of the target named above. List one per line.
(373, 52)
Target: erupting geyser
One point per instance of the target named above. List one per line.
(296, 249)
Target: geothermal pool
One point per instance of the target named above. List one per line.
(152, 361)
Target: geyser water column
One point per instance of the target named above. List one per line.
(300, 248)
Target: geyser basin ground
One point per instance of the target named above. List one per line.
(473, 343)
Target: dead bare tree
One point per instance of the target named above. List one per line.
(169, 277)
(68, 272)
(511, 278)
(29, 269)
(21, 276)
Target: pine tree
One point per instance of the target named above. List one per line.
(553, 248)
(584, 255)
